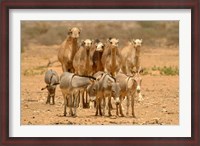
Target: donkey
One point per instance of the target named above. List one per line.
(130, 85)
(105, 87)
(51, 79)
(70, 85)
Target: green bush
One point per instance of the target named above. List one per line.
(169, 71)
(166, 70)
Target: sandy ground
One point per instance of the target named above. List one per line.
(160, 92)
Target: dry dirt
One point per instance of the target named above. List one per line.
(160, 92)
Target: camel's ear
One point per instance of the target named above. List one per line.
(133, 41)
(92, 41)
(130, 42)
(82, 42)
(109, 39)
(141, 40)
(103, 46)
(97, 41)
(69, 31)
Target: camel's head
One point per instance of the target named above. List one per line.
(113, 42)
(87, 43)
(74, 32)
(137, 43)
(99, 46)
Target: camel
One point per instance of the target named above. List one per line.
(83, 65)
(83, 58)
(68, 49)
(96, 57)
(131, 56)
(111, 58)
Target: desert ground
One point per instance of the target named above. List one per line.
(160, 90)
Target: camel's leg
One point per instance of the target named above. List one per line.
(117, 109)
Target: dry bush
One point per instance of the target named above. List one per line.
(153, 33)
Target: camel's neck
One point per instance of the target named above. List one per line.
(87, 63)
(137, 58)
(99, 55)
(74, 44)
(137, 51)
(113, 56)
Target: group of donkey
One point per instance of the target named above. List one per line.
(101, 70)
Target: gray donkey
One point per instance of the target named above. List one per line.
(51, 79)
(70, 85)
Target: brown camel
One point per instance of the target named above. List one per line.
(68, 49)
(111, 57)
(96, 58)
(83, 58)
(131, 56)
(83, 66)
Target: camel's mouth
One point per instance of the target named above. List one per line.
(87, 48)
(99, 49)
(137, 46)
(75, 36)
(114, 47)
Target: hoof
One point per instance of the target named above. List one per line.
(122, 115)
(134, 116)
(74, 115)
(80, 107)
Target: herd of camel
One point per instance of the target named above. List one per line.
(96, 73)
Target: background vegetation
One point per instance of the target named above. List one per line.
(153, 33)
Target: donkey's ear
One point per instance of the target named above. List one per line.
(99, 77)
(140, 70)
(134, 70)
(92, 80)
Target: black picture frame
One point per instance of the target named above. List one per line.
(6, 5)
